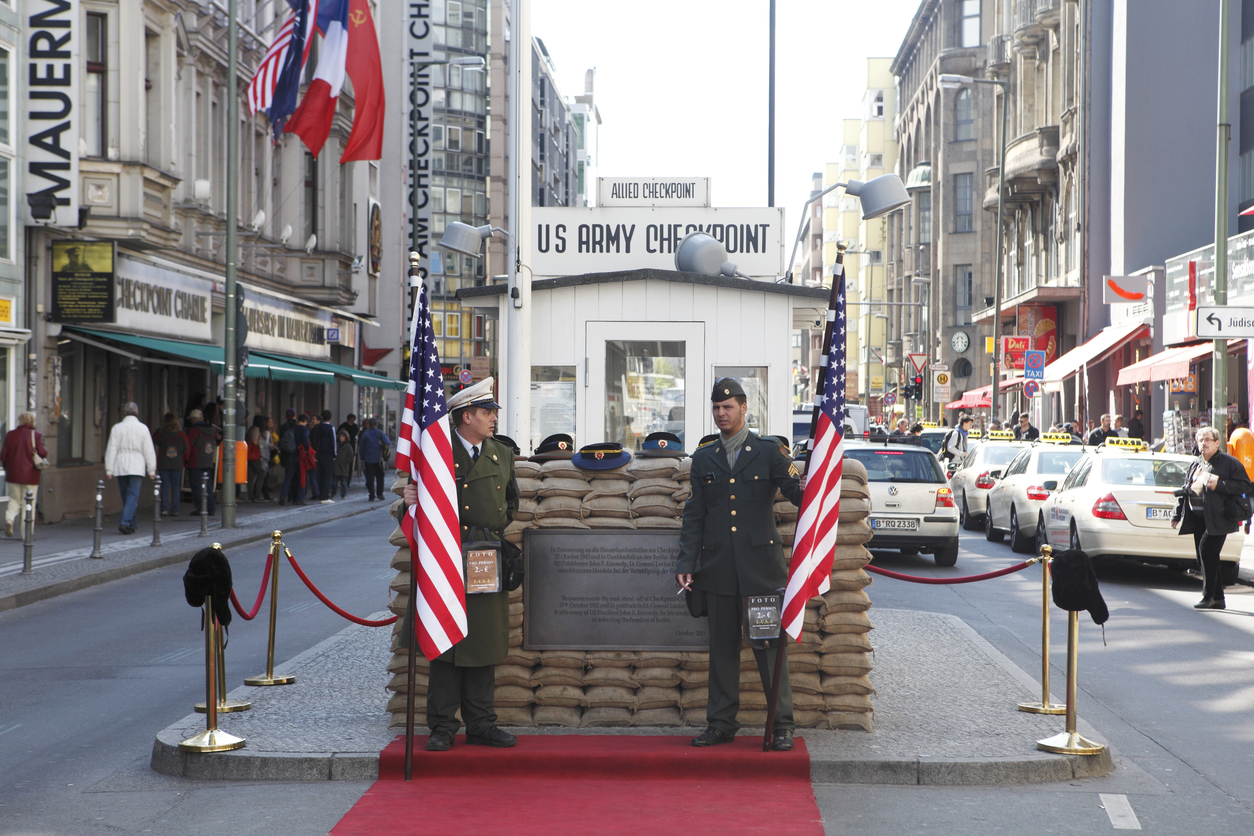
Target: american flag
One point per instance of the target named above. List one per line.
(424, 449)
(809, 573)
(261, 89)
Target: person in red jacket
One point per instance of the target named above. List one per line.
(18, 457)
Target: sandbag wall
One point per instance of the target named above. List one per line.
(829, 666)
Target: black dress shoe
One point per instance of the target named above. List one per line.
(782, 741)
(1215, 604)
(1203, 604)
(712, 737)
(492, 736)
(440, 741)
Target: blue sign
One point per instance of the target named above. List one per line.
(1034, 365)
(1031, 388)
(333, 335)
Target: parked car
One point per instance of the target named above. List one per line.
(1117, 502)
(1013, 503)
(977, 473)
(912, 509)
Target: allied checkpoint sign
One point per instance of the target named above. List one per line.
(653, 191)
(574, 241)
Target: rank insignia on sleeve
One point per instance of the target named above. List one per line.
(793, 471)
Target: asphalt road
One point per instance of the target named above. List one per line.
(88, 679)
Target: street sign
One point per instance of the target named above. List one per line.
(940, 379)
(1120, 290)
(1031, 388)
(939, 367)
(1225, 323)
(466, 376)
(918, 361)
(1034, 365)
(890, 398)
(940, 394)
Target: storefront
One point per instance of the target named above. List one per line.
(1081, 384)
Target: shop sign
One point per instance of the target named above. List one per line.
(82, 281)
(570, 242)
(6, 311)
(1183, 385)
(653, 191)
(877, 383)
(151, 300)
(417, 111)
(286, 328)
(50, 103)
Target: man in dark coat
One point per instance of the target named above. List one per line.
(1099, 434)
(487, 501)
(730, 548)
(1136, 427)
(322, 439)
(293, 438)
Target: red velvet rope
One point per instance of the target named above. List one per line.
(265, 581)
(362, 621)
(1018, 567)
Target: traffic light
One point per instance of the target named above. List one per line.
(917, 389)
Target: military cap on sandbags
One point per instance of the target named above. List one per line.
(604, 456)
(726, 388)
(480, 394)
(662, 445)
(508, 442)
(560, 446)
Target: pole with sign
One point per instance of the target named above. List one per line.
(1226, 323)
(1034, 364)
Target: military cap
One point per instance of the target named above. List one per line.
(726, 388)
(604, 456)
(508, 442)
(480, 394)
(560, 446)
(709, 439)
(662, 445)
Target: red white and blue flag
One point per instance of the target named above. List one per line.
(814, 544)
(276, 84)
(424, 449)
(312, 120)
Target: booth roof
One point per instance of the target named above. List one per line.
(654, 275)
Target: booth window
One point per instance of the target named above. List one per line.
(644, 390)
(753, 380)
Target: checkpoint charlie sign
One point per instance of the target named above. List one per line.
(569, 241)
(653, 191)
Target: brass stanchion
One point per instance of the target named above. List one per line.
(28, 535)
(276, 545)
(156, 512)
(1070, 742)
(212, 739)
(1044, 706)
(204, 504)
(224, 706)
(95, 549)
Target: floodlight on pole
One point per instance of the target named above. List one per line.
(466, 239)
(700, 252)
(878, 196)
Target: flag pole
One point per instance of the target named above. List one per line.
(411, 609)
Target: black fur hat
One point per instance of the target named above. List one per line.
(209, 573)
(1075, 585)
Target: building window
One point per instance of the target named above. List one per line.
(5, 91)
(970, 23)
(964, 202)
(1071, 231)
(851, 156)
(925, 218)
(874, 160)
(93, 128)
(1051, 243)
(1246, 188)
(963, 278)
(964, 122)
(454, 139)
(311, 195)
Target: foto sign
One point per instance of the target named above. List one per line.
(1225, 323)
(653, 191)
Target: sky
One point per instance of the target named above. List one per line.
(682, 84)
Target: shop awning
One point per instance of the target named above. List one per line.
(357, 376)
(1094, 351)
(1140, 371)
(979, 398)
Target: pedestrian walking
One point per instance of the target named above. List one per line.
(128, 456)
(729, 548)
(23, 456)
(1212, 503)
(322, 439)
(954, 445)
(294, 433)
(202, 456)
(343, 464)
(353, 429)
(1099, 434)
(374, 448)
(258, 439)
(1136, 427)
(172, 445)
(1024, 431)
(309, 461)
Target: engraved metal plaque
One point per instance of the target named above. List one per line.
(605, 590)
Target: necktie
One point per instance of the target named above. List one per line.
(474, 453)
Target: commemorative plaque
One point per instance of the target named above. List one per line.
(82, 281)
(605, 590)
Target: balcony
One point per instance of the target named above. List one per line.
(1028, 30)
(999, 54)
(1049, 13)
(130, 201)
(1031, 168)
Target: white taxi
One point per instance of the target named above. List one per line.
(912, 509)
(1013, 503)
(975, 474)
(1117, 502)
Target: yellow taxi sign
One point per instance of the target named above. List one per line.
(975, 435)
(1056, 438)
(1127, 443)
(929, 425)
(1001, 435)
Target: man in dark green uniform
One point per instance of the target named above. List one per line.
(730, 548)
(487, 501)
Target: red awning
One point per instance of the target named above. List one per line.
(1141, 371)
(1103, 343)
(1177, 365)
(979, 398)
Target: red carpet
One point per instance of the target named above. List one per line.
(595, 784)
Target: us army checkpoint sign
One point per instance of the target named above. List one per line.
(1225, 323)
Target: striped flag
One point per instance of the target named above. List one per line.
(311, 121)
(261, 88)
(424, 449)
(276, 84)
(809, 573)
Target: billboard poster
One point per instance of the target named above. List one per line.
(1040, 324)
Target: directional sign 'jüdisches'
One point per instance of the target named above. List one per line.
(1225, 323)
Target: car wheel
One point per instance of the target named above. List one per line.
(1018, 543)
(991, 534)
(1228, 572)
(910, 551)
(946, 555)
(964, 516)
(1074, 544)
(1041, 539)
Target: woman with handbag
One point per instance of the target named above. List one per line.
(23, 456)
(1212, 504)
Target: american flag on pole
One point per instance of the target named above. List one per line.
(809, 573)
(424, 449)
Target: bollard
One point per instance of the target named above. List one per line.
(28, 535)
(1044, 706)
(224, 705)
(276, 546)
(95, 550)
(212, 739)
(156, 512)
(204, 505)
(1070, 742)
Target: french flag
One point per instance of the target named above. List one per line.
(312, 120)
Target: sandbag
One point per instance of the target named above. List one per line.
(545, 675)
(600, 718)
(655, 505)
(609, 487)
(848, 702)
(526, 509)
(694, 679)
(847, 622)
(609, 522)
(850, 580)
(508, 696)
(855, 531)
(804, 683)
(846, 643)
(659, 522)
(514, 675)
(609, 696)
(577, 488)
(559, 505)
(660, 659)
(561, 469)
(563, 658)
(614, 473)
(606, 506)
(651, 468)
(849, 721)
(652, 486)
(514, 716)
(528, 488)
(653, 697)
(556, 715)
(560, 695)
(837, 685)
(802, 662)
(694, 697)
(620, 677)
(667, 717)
(557, 522)
(841, 600)
(845, 664)
(611, 658)
(658, 677)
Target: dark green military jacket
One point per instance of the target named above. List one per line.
(729, 541)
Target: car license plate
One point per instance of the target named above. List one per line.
(1159, 513)
(895, 525)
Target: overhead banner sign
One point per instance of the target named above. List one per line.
(50, 107)
(287, 328)
(148, 299)
(653, 191)
(570, 242)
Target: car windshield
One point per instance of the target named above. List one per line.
(1157, 473)
(898, 465)
(1000, 453)
(1057, 462)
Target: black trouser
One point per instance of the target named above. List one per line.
(724, 700)
(450, 687)
(1208, 547)
(326, 475)
(374, 478)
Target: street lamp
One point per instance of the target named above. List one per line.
(950, 81)
(878, 196)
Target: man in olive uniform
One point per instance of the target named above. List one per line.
(487, 500)
(730, 548)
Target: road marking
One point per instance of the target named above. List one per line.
(301, 607)
(1120, 811)
(386, 576)
(9, 729)
(177, 655)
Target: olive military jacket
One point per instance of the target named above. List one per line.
(729, 542)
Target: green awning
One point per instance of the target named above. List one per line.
(361, 378)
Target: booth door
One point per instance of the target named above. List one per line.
(640, 378)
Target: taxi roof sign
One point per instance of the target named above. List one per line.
(1127, 444)
(1056, 438)
(975, 434)
(929, 425)
(1001, 435)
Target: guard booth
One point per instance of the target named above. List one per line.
(616, 356)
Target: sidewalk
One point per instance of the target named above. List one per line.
(61, 557)
(945, 714)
